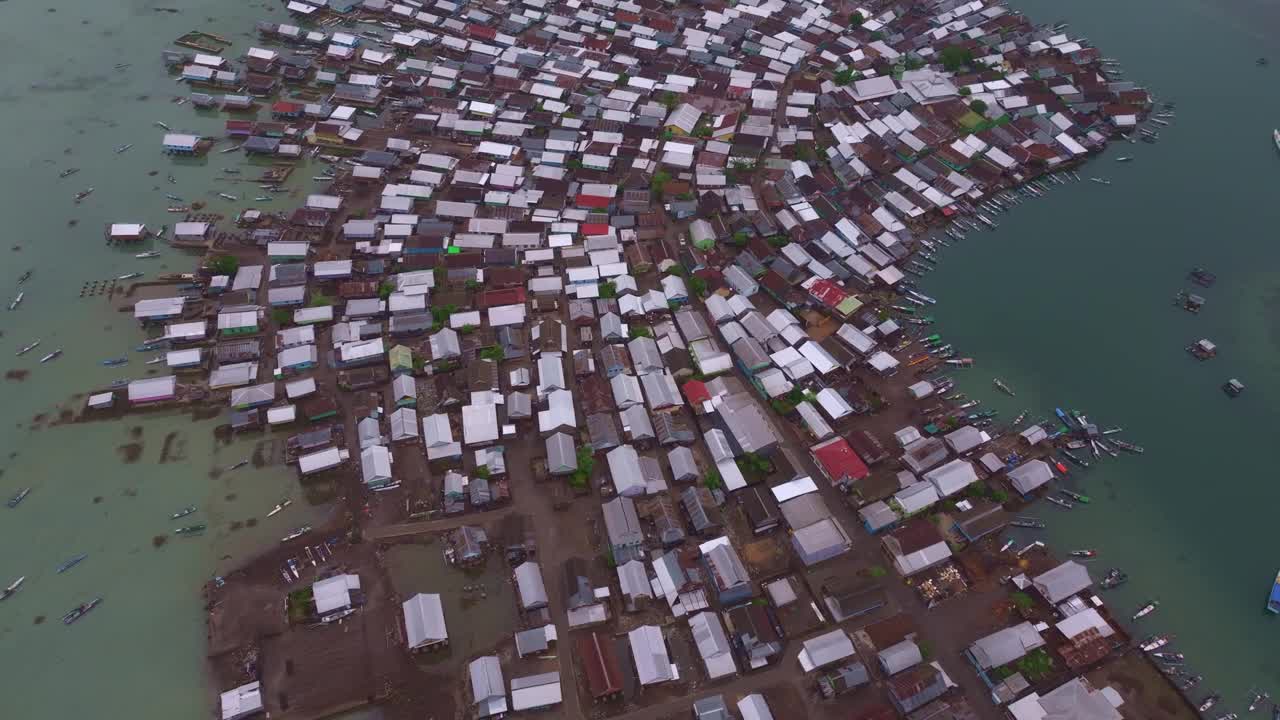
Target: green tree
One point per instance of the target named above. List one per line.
(712, 479)
(623, 79)
(482, 471)
(856, 19)
(385, 288)
(740, 238)
(876, 571)
(670, 99)
(659, 182)
(224, 264)
(639, 331)
(466, 329)
(844, 77)
(965, 92)
(281, 316)
(320, 300)
(954, 57)
(698, 286)
(978, 106)
(1022, 601)
(608, 289)
(493, 352)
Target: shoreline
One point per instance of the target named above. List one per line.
(757, 177)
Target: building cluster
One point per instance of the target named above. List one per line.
(636, 250)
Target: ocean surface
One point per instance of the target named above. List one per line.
(1069, 301)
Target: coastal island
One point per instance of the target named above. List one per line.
(598, 327)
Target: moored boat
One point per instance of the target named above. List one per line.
(1146, 610)
(237, 466)
(148, 254)
(1209, 702)
(184, 512)
(1084, 553)
(1273, 600)
(71, 563)
(296, 534)
(84, 194)
(80, 611)
(1256, 698)
(17, 300)
(1076, 496)
(13, 588)
(17, 499)
(1275, 138)
(191, 529)
(1003, 387)
(280, 506)
(1114, 578)
(1155, 642)
(129, 276)
(113, 362)
(1059, 502)
(51, 355)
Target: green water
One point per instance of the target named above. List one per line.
(62, 104)
(1070, 302)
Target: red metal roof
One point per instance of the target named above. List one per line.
(695, 391)
(839, 460)
(595, 228)
(828, 293)
(592, 201)
(507, 296)
(481, 31)
(601, 665)
(284, 106)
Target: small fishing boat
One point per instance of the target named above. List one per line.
(1059, 502)
(280, 506)
(80, 611)
(71, 563)
(296, 534)
(68, 172)
(1004, 388)
(17, 300)
(84, 194)
(13, 588)
(17, 499)
(148, 254)
(1128, 447)
(1027, 522)
(119, 382)
(191, 530)
(1100, 181)
(1114, 578)
(161, 125)
(1256, 698)
(1155, 642)
(51, 356)
(129, 276)
(1194, 680)
(237, 466)
(233, 148)
(1275, 138)
(227, 196)
(971, 403)
(1018, 420)
(1228, 716)
(25, 276)
(1084, 553)
(1126, 158)
(1076, 496)
(263, 198)
(113, 362)
(1146, 610)
(1075, 459)
(1209, 702)
(27, 348)
(155, 361)
(1169, 657)
(184, 512)
(123, 148)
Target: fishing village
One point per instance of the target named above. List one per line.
(599, 327)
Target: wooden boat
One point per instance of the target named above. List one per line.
(1076, 496)
(184, 512)
(1060, 503)
(26, 349)
(68, 172)
(1002, 387)
(1209, 702)
(17, 499)
(84, 194)
(13, 588)
(1084, 553)
(1146, 610)
(280, 506)
(191, 530)
(51, 356)
(1114, 578)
